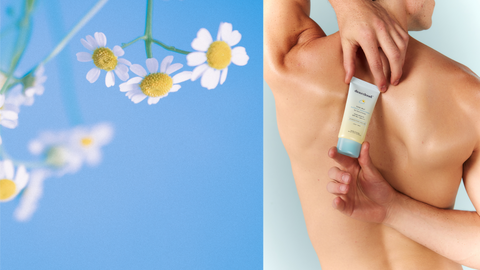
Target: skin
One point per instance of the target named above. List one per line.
(424, 136)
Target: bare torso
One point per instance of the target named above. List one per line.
(421, 133)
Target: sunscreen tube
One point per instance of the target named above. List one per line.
(361, 100)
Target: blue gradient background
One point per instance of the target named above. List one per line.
(180, 186)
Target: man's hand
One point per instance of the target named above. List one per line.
(365, 24)
(362, 192)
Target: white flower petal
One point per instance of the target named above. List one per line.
(2, 170)
(93, 157)
(226, 31)
(174, 67)
(239, 56)
(30, 92)
(110, 79)
(2, 100)
(135, 80)
(84, 57)
(122, 72)
(202, 41)
(198, 71)
(224, 75)
(101, 39)
(124, 61)
(138, 98)
(9, 115)
(21, 178)
(92, 41)
(93, 74)
(175, 88)
(166, 63)
(219, 32)
(102, 133)
(133, 93)
(234, 38)
(210, 78)
(153, 100)
(9, 123)
(35, 147)
(87, 45)
(139, 70)
(182, 76)
(152, 65)
(8, 167)
(118, 51)
(125, 87)
(196, 58)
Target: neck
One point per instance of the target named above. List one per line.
(398, 11)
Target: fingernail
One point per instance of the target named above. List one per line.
(395, 83)
(345, 178)
(343, 188)
(384, 88)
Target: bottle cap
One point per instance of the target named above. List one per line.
(348, 147)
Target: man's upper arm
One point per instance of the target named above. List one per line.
(471, 179)
(286, 24)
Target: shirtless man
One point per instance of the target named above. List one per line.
(424, 137)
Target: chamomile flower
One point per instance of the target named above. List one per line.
(56, 152)
(89, 141)
(8, 113)
(104, 59)
(218, 55)
(11, 184)
(155, 85)
(33, 85)
(31, 195)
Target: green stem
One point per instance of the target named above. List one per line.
(75, 29)
(148, 29)
(20, 44)
(170, 48)
(124, 45)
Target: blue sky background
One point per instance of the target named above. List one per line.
(180, 186)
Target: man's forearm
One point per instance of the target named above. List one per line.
(452, 233)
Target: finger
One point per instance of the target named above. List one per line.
(373, 58)
(339, 204)
(337, 188)
(338, 175)
(343, 160)
(349, 55)
(365, 161)
(394, 55)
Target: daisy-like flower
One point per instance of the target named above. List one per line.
(11, 184)
(89, 141)
(104, 58)
(8, 113)
(33, 85)
(217, 54)
(31, 195)
(155, 85)
(56, 151)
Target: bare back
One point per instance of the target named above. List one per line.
(421, 134)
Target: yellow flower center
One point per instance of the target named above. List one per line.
(219, 55)
(86, 141)
(7, 189)
(156, 84)
(56, 156)
(104, 59)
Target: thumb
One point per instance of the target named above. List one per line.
(365, 161)
(349, 54)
